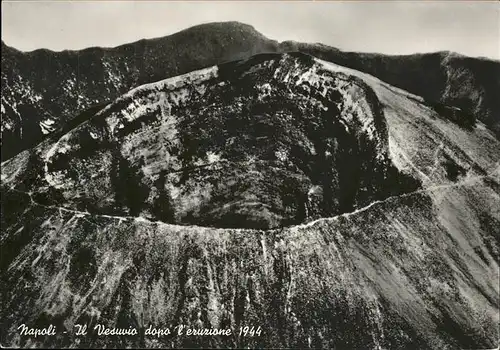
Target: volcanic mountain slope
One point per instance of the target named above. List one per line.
(43, 91)
(315, 201)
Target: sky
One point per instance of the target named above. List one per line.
(392, 27)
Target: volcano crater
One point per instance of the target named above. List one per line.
(272, 141)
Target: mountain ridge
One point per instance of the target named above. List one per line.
(156, 38)
(285, 42)
(32, 109)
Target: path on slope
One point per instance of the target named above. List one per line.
(464, 182)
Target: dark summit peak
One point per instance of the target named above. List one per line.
(228, 26)
(213, 32)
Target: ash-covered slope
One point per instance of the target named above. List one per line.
(394, 245)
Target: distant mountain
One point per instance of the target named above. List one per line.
(318, 202)
(43, 90)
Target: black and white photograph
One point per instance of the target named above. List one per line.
(250, 174)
